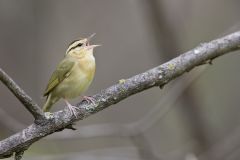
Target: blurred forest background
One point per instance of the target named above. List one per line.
(194, 117)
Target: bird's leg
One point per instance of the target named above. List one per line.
(72, 108)
(89, 99)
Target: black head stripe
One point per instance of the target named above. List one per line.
(78, 45)
(73, 42)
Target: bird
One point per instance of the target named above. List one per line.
(73, 75)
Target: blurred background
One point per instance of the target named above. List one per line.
(195, 117)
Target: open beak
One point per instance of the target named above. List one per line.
(90, 37)
(88, 40)
(92, 46)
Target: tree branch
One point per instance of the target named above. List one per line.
(26, 100)
(158, 76)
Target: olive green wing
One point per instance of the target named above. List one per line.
(63, 70)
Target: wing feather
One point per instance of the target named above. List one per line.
(63, 70)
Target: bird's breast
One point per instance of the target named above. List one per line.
(87, 66)
(79, 79)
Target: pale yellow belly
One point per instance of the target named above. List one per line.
(74, 85)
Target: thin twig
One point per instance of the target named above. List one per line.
(158, 76)
(26, 100)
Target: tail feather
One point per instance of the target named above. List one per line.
(49, 102)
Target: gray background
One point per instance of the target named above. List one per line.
(196, 115)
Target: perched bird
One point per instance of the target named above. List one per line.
(73, 75)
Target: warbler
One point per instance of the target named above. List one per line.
(73, 75)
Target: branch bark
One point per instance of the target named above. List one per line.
(158, 76)
(26, 100)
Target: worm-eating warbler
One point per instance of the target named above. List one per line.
(73, 75)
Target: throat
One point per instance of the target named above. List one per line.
(87, 63)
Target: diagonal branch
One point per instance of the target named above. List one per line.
(158, 76)
(28, 103)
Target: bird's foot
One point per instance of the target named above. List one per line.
(72, 109)
(89, 99)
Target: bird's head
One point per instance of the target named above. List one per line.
(80, 48)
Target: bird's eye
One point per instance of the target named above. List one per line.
(80, 44)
